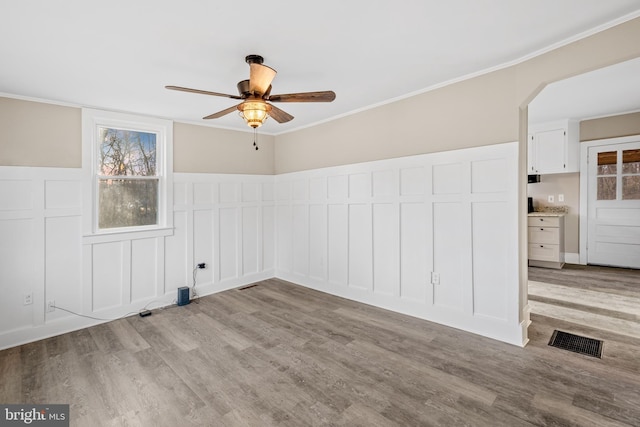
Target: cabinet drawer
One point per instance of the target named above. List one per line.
(544, 252)
(544, 235)
(546, 221)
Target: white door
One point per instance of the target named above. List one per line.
(613, 205)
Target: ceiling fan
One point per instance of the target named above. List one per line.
(255, 93)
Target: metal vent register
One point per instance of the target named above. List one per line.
(576, 343)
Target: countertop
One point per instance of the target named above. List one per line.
(546, 214)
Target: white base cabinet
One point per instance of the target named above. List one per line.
(546, 240)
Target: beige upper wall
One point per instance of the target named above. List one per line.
(47, 135)
(479, 111)
(210, 150)
(37, 134)
(610, 127)
(426, 123)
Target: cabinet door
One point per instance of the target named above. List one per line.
(550, 151)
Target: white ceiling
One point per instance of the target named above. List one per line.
(119, 54)
(605, 92)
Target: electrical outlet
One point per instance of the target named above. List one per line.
(550, 199)
(51, 306)
(28, 298)
(435, 278)
(561, 197)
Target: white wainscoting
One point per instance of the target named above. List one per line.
(372, 232)
(375, 232)
(225, 221)
(40, 251)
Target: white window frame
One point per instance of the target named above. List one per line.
(91, 121)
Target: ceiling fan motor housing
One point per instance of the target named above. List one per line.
(254, 59)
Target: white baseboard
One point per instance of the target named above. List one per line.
(72, 323)
(497, 329)
(571, 258)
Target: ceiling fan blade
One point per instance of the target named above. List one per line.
(323, 96)
(279, 115)
(203, 92)
(260, 78)
(222, 113)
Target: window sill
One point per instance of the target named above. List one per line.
(117, 236)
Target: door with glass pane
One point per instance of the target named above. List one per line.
(614, 205)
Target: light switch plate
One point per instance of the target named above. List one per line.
(435, 278)
(550, 199)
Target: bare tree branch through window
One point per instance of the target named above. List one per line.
(127, 180)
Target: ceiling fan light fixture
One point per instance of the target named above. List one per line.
(254, 91)
(254, 112)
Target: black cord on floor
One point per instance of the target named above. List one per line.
(102, 319)
(194, 298)
(194, 293)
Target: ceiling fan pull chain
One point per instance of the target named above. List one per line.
(255, 138)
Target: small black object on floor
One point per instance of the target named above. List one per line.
(576, 343)
(145, 313)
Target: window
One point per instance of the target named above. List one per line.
(607, 175)
(631, 175)
(127, 178)
(609, 172)
(126, 160)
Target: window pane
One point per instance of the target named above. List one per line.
(631, 161)
(127, 203)
(126, 152)
(607, 163)
(631, 187)
(607, 188)
(607, 169)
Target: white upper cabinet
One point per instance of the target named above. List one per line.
(554, 147)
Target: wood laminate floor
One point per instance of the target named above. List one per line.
(602, 298)
(612, 280)
(280, 354)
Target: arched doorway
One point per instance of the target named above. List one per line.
(599, 99)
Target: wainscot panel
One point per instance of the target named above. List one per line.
(433, 236)
(224, 221)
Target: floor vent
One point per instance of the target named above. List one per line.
(247, 287)
(576, 343)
